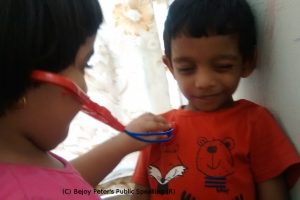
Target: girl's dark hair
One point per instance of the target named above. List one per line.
(40, 34)
(202, 18)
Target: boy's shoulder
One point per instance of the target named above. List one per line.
(240, 106)
(250, 108)
(248, 105)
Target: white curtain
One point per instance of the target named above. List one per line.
(127, 75)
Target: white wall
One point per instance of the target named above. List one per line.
(276, 81)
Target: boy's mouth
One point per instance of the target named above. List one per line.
(206, 97)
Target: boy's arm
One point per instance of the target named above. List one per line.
(138, 194)
(272, 155)
(273, 189)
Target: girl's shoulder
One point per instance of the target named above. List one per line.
(26, 181)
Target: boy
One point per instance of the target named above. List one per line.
(222, 149)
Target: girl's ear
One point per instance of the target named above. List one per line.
(166, 60)
(249, 65)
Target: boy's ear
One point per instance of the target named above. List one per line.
(166, 60)
(249, 65)
(248, 68)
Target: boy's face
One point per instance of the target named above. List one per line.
(207, 69)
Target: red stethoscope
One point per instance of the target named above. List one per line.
(93, 109)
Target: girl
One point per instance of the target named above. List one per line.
(55, 36)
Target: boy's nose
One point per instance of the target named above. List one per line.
(204, 79)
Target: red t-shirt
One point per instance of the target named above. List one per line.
(217, 155)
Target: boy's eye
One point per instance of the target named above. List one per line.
(223, 67)
(185, 69)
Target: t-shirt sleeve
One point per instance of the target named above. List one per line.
(271, 151)
(140, 174)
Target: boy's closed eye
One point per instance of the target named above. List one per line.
(217, 67)
(186, 69)
(223, 67)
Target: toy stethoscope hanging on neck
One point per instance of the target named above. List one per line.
(93, 109)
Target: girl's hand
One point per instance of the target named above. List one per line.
(145, 123)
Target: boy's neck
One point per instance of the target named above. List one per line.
(228, 104)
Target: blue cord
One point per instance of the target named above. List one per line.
(139, 136)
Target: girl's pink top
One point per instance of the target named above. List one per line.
(33, 182)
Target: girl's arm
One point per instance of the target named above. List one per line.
(273, 189)
(101, 160)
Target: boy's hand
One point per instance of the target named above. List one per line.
(144, 123)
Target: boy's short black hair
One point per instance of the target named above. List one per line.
(199, 18)
(40, 34)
